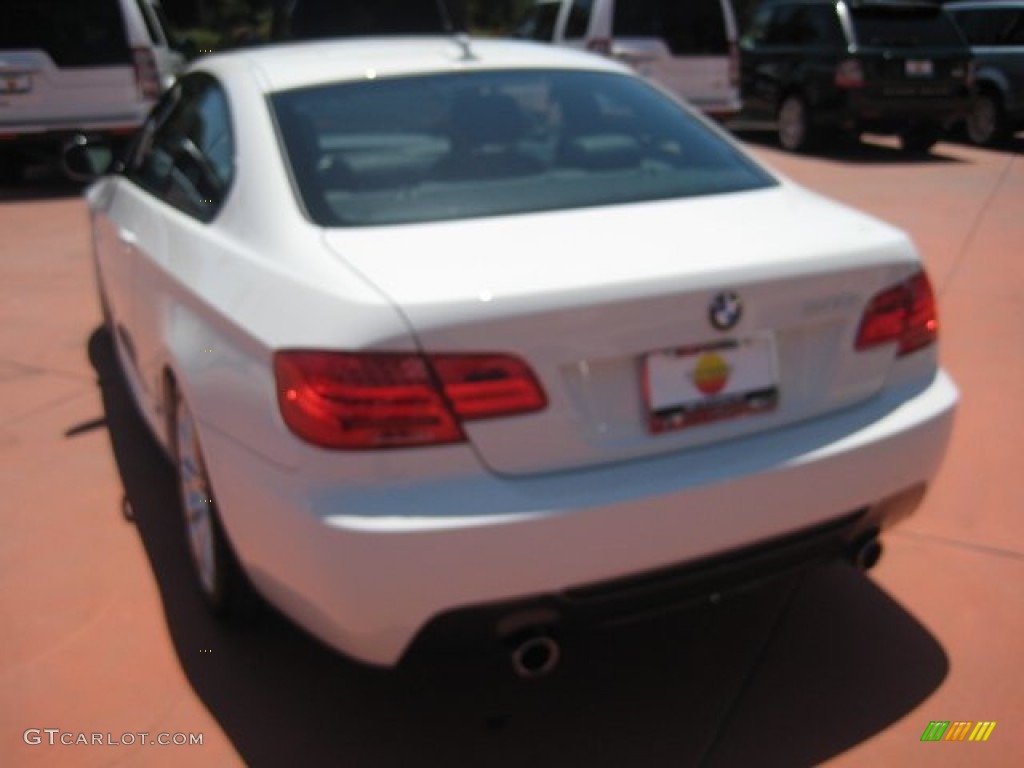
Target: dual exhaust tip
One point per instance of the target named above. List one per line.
(535, 656)
(533, 650)
(535, 653)
(865, 552)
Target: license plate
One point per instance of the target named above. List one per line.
(710, 382)
(919, 68)
(15, 83)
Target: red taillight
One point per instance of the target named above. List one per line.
(849, 74)
(602, 45)
(905, 313)
(394, 400)
(147, 75)
(484, 386)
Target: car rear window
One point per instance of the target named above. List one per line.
(73, 32)
(992, 26)
(691, 27)
(896, 25)
(457, 146)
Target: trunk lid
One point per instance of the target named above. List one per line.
(584, 297)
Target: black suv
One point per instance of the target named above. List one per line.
(821, 68)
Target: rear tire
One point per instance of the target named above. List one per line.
(919, 139)
(795, 128)
(220, 577)
(986, 122)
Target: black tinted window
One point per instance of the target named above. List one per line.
(458, 146)
(760, 27)
(579, 19)
(691, 27)
(992, 26)
(805, 25)
(185, 152)
(894, 25)
(539, 23)
(74, 33)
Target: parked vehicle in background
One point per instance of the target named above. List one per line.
(995, 31)
(321, 19)
(821, 68)
(689, 47)
(69, 68)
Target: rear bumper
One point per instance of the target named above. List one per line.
(368, 582)
(864, 112)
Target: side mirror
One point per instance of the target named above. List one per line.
(83, 159)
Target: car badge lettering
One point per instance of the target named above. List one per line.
(725, 311)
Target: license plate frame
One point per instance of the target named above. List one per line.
(722, 380)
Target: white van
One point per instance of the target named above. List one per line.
(70, 68)
(688, 46)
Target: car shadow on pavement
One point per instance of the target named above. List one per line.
(786, 674)
(40, 182)
(1013, 145)
(862, 152)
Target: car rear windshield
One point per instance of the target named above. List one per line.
(690, 27)
(458, 146)
(75, 33)
(910, 25)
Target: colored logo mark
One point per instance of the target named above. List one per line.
(958, 730)
(711, 374)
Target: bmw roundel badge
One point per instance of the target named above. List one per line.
(725, 311)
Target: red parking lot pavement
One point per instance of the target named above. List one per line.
(103, 632)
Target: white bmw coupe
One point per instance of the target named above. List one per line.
(434, 328)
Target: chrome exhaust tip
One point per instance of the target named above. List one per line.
(535, 657)
(866, 553)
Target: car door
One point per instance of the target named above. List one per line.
(183, 183)
(118, 217)
(174, 183)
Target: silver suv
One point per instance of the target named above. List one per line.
(70, 68)
(688, 46)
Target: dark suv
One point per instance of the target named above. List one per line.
(820, 68)
(995, 31)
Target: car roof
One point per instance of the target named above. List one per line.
(295, 65)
